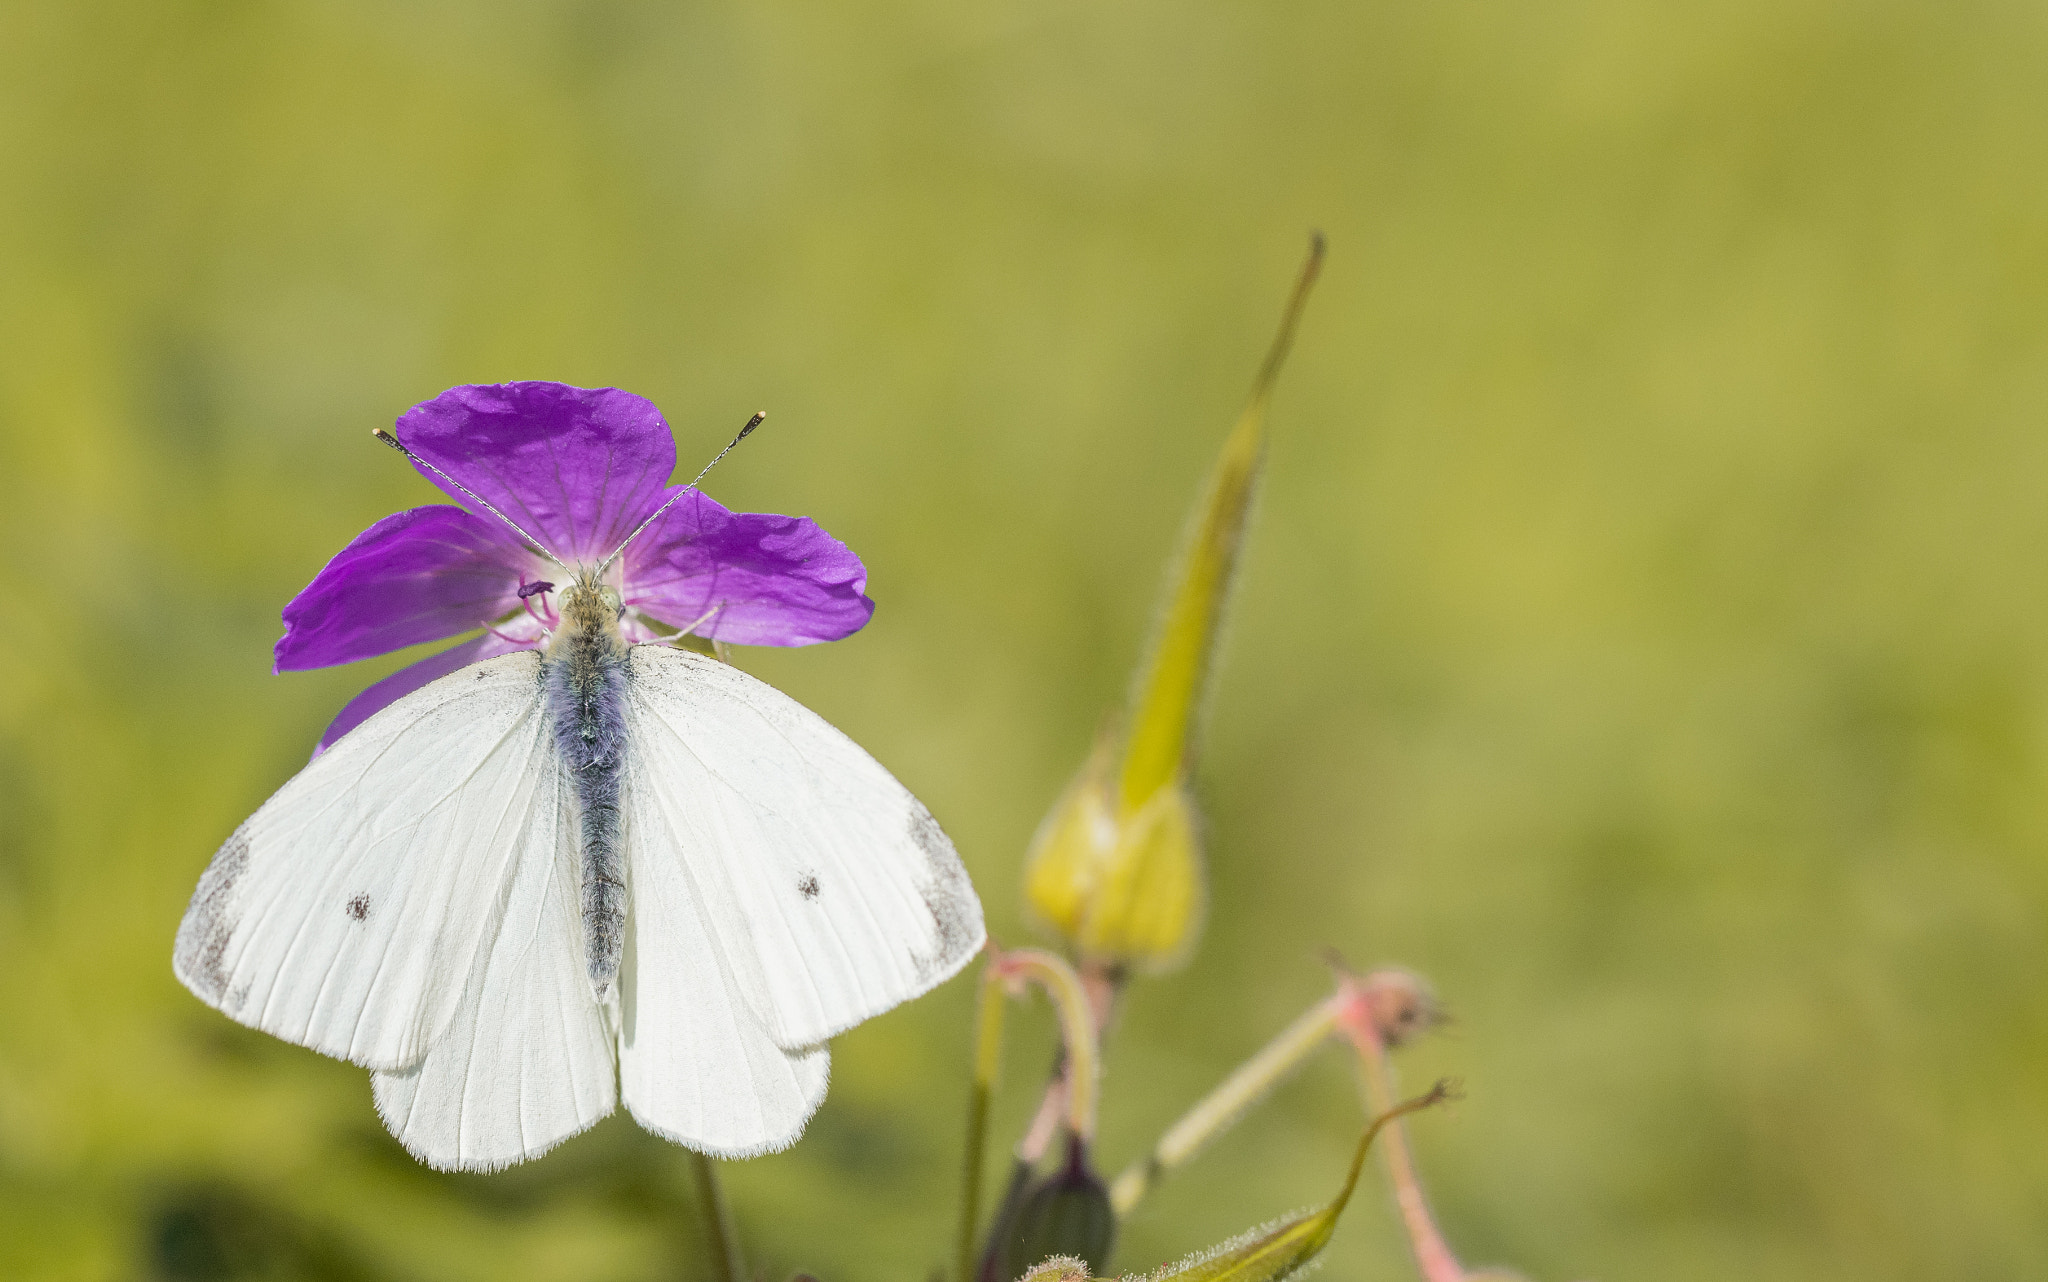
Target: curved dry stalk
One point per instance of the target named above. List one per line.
(1433, 1254)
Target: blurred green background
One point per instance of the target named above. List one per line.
(1645, 633)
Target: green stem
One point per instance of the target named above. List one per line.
(988, 1062)
(1220, 1109)
(1010, 971)
(721, 1238)
(1077, 1026)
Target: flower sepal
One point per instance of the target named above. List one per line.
(1124, 889)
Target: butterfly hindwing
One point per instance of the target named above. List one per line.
(347, 912)
(528, 1060)
(695, 1064)
(827, 891)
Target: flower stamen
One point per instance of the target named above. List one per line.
(526, 599)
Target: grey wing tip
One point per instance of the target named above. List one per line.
(199, 956)
(957, 927)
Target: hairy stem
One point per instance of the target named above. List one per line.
(1222, 1107)
(1070, 999)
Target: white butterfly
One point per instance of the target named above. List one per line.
(548, 881)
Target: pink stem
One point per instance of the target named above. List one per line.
(1432, 1254)
(1051, 1111)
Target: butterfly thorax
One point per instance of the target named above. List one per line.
(585, 673)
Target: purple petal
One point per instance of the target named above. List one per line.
(408, 679)
(772, 580)
(576, 469)
(419, 575)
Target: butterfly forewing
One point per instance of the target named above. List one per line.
(346, 914)
(828, 892)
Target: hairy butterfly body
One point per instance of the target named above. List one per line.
(585, 672)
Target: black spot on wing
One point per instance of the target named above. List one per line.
(948, 896)
(807, 885)
(210, 922)
(358, 908)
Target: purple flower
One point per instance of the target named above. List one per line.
(578, 470)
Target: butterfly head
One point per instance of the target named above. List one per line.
(589, 606)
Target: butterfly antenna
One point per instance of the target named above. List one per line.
(760, 416)
(472, 495)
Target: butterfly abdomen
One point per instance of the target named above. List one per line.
(586, 677)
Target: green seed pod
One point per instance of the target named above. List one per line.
(1281, 1249)
(1115, 869)
(1068, 1214)
(1267, 1254)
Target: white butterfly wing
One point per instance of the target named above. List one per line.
(410, 901)
(695, 1064)
(527, 1061)
(347, 912)
(827, 891)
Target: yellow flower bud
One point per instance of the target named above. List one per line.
(1126, 889)
(1116, 868)
(1073, 844)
